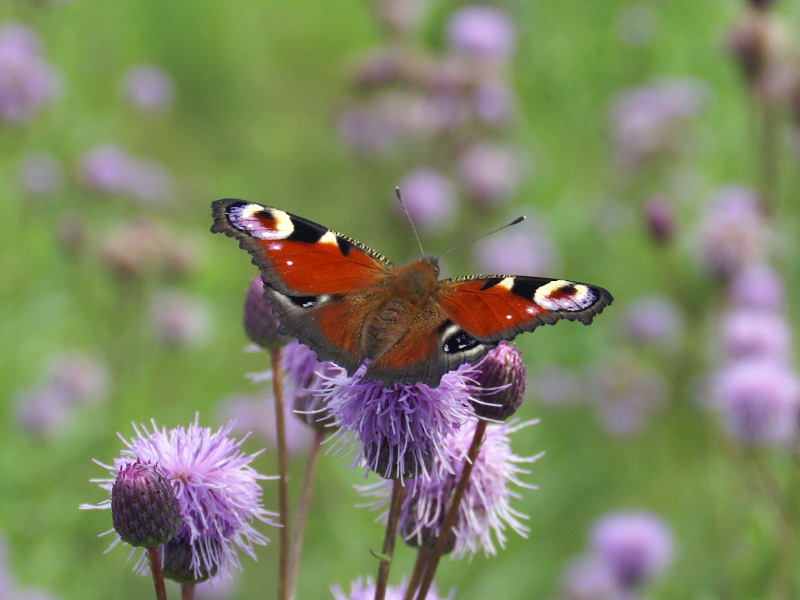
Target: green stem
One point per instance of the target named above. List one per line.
(392, 522)
(157, 570)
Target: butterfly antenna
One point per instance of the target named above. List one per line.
(408, 216)
(480, 237)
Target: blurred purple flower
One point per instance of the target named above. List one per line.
(758, 287)
(403, 15)
(637, 546)
(397, 430)
(494, 102)
(636, 25)
(750, 333)
(556, 386)
(43, 410)
(485, 512)
(149, 88)
(759, 401)
(367, 131)
(82, 377)
(481, 32)
(180, 320)
(40, 174)
(626, 392)
(149, 182)
(648, 120)
(490, 173)
(218, 588)
(217, 490)
(27, 81)
(732, 232)
(589, 578)
(250, 413)
(364, 589)
(430, 199)
(654, 320)
(659, 216)
(525, 249)
(108, 169)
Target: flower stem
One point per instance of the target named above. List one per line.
(303, 506)
(452, 513)
(392, 522)
(422, 562)
(187, 591)
(157, 570)
(280, 425)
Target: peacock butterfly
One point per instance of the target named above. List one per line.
(349, 303)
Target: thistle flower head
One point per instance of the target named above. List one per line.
(398, 429)
(364, 589)
(500, 383)
(485, 512)
(638, 546)
(144, 508)
(260, 321)
(216, 488)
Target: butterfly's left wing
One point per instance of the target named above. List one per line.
(320, 282)
(470, 315)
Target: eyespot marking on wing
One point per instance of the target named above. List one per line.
(564, 295)
(262, 223)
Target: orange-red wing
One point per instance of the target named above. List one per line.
(494, 308)
(298, 257)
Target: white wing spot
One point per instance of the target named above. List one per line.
(508, 317)
(290, 262)
(506, 284)
(328, 238)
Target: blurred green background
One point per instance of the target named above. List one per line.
(259, 86)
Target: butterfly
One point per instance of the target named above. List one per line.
(348, 303)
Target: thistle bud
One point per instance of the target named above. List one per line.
(178, 555)
(144, 508)
(260, 322)
(660, 218)
(500, 383)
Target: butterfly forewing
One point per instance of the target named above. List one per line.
(296, 256)
(493, 308)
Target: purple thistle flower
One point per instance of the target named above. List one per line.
(217, 491)
(759, 401)
(107, 168)
(589, 578)
(756, 334)
(27, 81)
(626, 392)
(637, 546)
(654, 320)
(733, 232)
(430, 199)
(149, 181)
(399, 429)
(253, 413)
(43, 410)
(149, 88)
(364, 589)
(485, 512)
(481, 32)
(40, 174)
(758, 287)
(660, 218)
(494, 102)
(489, 173)
(524, 248)
(650, 119)
(82, 377)
(180, 320)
